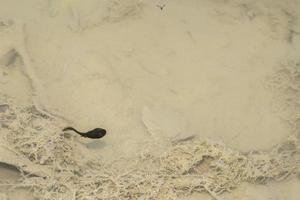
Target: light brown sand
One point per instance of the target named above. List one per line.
(203, 68)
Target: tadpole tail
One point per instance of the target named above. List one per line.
(73, 129)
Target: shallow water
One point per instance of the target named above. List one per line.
(155, 73)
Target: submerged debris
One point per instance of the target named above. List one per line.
(3, 107)
(10, 58)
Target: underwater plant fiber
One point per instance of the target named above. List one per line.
(57, 167)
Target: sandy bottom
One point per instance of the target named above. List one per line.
(218, 80)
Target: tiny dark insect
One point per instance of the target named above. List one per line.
(161, 7)
(94, 134)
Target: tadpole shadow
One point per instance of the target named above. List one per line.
(96, 144)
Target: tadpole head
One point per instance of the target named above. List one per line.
(101, 131)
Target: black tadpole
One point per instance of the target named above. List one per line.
(94, 134)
